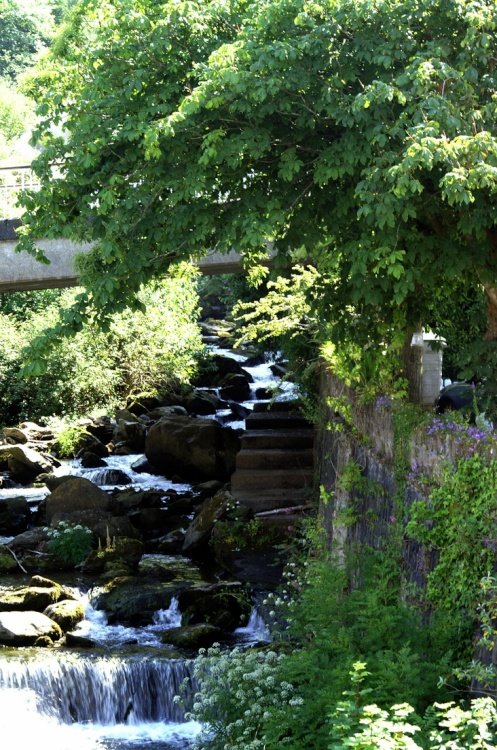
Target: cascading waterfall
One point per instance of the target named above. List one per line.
(56, 700)
(94, 703)
(104, 691)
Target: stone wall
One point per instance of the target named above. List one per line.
(362, 513)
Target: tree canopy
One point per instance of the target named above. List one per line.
(357, 134)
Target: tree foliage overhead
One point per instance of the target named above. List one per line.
(356, 133)
(25, 28)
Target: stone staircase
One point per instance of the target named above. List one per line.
(274, 467)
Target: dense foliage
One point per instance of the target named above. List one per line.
(357, 135)
(142, 353)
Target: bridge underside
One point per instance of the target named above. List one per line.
(21, 272)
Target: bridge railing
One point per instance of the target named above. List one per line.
(12, 181)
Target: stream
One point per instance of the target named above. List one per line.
(118, 695)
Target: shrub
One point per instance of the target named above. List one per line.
(71, 544)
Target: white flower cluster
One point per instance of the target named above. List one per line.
(239, 691)
(65, 528)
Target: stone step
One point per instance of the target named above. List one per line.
(274, 459)
(277, 439)
(275, 420)
(262, 479)
(259, 501)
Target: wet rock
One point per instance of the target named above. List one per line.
(218, 367)
(142, 466)
(73, 640)
(76, 494)
(193, 637)
(25, 628)
(90, 443)
(133, 601)
(225, 605)
(278, 370)
(66, 613)
(211, 510)
(90, 460)
(202, 403)
(108, 477)
(235, 388)
(14, 516)
(102, 428)
(263, 394)
(197, 449)
(23, 462)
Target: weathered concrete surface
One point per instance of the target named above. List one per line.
(19, 271)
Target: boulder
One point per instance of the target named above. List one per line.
(76, 494)
(66, 613)
(52, 480)
(90, 460)
(24, 463)
(15, 435)
(29, 540)
(14, 516)
(131, 600)
(74, 640)
(225, 605)
(124, 550)
(130, 433)
(197, 449)
(25, 628)
(29, 598)
(36, 432)
(90, 443)
(199, 532)
(193, 637)
(218, 367)
(202, 403)
(167, 411)
(235, 388)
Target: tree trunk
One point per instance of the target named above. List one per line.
(491, 295)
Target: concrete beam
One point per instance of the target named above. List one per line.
(20, 271)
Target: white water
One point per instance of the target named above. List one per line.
(59, 701)
(96, 627)
(255, 631)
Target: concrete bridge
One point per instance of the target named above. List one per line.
(20, 271)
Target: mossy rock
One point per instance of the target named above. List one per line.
(66, 613)
(29, 598)
(7, 562)
(193, 637)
